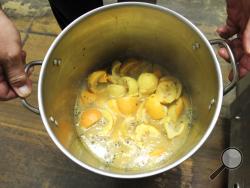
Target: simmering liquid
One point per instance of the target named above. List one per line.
(133, 115)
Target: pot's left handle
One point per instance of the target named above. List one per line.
(222, 42)
(24, 101)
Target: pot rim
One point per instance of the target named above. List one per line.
(149, 173)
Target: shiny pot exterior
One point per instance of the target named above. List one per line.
(128, 30)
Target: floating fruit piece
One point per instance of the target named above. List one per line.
(147, 83)
(127, 105)
(166, 91)
(115, 72)
(87, 97)
(142, 67)
(103, 78)
(157, 152)
(144, 132)
(120, 132)
(169, 89)
(146, 66)
(112, 105)
(175, 110)
(101, 98)
(131, 84)
(93, 80)
(176, 82)
(154, 108)
(173, 129)
(116, 90)
(105, 126)
(90, 117)
(141, 113)
(128, 66)
(138, 67)
(157, 71)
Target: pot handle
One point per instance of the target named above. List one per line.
(223, 43)
(24, 101)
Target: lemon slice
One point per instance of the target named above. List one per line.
(173, 130)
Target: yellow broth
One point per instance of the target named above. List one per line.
(136, 116)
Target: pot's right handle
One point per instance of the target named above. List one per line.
(24, 101)
(223, 43)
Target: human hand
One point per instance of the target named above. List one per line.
(238, 22)
(13, 80)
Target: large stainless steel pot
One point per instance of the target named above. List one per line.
(128, 30)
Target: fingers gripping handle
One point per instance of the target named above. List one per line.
(223, 43)
(24, 101)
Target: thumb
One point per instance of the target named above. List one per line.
(17, 78)
(246, 38)
(226, 31)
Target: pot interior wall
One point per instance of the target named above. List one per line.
(128, 31)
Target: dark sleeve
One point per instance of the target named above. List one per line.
(66, 11)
